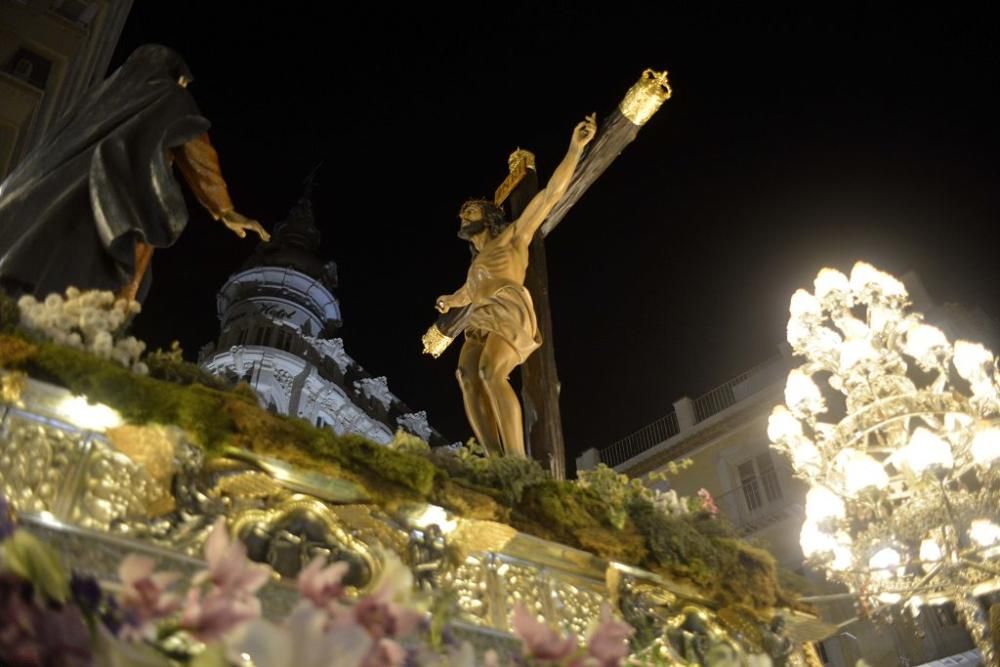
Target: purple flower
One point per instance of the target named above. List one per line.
(608, 644)
(539, 640)
(39, 636)
(144, 597)
(322, 585)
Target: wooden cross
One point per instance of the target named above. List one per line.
(540, 381)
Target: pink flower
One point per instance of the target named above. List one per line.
(386, 612)
(707, 503)
(144, 595)
(322, 585)
(385, 653)
(608, 644)
(228, 565)
(231, 598)
(539, 640)
(211, 617)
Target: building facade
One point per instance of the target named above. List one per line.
(279, 319)
(51, 51)
(724, 434)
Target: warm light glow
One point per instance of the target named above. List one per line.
(864, 275)
(805, 306)
(890, 598)
(860, 471)
(822, 504)
(984, 532)
(831, 281)
(805, 456)
(886, 564)
(930, 551)
(90, 416)
(986, 445)
(802, 394)
(814, 541)
(781, 425)
(972, 360)
(842, 559)
(854, 352)
(923, 342)
(433, 514)
(925, 451)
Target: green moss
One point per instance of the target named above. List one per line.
(696, 547)
(169, 365)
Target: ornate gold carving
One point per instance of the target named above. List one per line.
(36, 461)
(435, 342)
(305, 481)
(519, 163)
(306, 527)
(480, 536)
(12, 386)
(645, 97)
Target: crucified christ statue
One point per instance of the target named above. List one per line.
(502, 330)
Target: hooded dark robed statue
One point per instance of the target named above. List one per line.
(87, 207)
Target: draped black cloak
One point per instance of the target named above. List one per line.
(73, 210)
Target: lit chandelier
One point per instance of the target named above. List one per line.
(899, 448)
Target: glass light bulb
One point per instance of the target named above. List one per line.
(972, 360)
(842, 559)
(805, 456)
(854, 352)
(829, 281)
(925, 451)
(860, 471)
(802, 394)
(797, 333)
(804, 306)
(890, 285)
(984, 532)
(814, 541)
(986, 445)
(923, 341)
(889, 598)
(885, 564)
(822, 504)
(930, 550)
(782, 425)
(91, 416)
(862, 275)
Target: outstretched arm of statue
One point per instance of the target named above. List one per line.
(541, 204)
(460, 298)
(199, 165)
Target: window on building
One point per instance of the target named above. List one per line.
(31, 67)
(241, 338)
(263, 336)
(284, 340)
(759, 481)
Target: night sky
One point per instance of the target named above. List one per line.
(792, 142)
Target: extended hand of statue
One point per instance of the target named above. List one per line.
(584, 132)
(239, 224)
(443, 303)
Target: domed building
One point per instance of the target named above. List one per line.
(279, 322)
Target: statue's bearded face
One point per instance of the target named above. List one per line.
(473, 221)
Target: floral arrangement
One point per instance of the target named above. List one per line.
(91, 321)
(48, 617)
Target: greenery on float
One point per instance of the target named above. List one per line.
(607, 514)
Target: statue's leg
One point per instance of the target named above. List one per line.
(495, 364)
(478, 409)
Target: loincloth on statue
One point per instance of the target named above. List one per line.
(510, 314)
